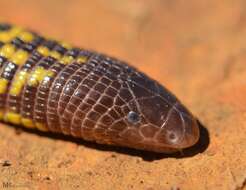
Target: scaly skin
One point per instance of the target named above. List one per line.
(51, 86)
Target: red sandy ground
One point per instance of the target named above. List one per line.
(196, 48)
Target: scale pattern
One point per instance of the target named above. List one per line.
(52, 86)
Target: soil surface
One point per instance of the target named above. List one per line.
(197, 49)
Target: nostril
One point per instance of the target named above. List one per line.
(172, 137)
(172, 130)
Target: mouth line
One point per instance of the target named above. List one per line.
(150, 142)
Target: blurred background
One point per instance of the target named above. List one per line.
(195, 48)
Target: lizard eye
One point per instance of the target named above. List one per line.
(133, 117)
